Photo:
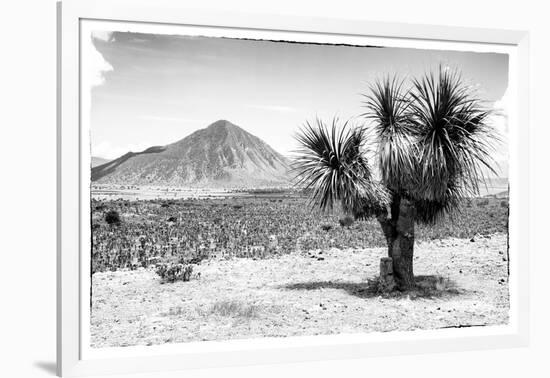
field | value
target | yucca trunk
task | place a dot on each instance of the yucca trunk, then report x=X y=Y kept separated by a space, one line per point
x=399 y=232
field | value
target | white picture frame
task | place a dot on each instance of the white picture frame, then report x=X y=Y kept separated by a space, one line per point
x=72 y=181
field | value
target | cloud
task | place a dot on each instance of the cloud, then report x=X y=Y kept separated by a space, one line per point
x=502 y=106
x=109 y=151
x=97 y=65
x=94 y=68
x=499 y=120
x=102 y=35
x=501 y=109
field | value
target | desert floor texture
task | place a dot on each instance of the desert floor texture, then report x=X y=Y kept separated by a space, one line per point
x=462 y=282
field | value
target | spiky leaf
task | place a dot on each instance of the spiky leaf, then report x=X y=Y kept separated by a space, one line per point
x=388 y=110
x=454 y=142
x=331 y=162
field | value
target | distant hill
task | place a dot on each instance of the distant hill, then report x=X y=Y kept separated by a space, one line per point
x=222 y=155
x=494 y=187
x=98 y=161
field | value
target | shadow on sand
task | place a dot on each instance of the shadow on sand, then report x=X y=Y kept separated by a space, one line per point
x=426 y=287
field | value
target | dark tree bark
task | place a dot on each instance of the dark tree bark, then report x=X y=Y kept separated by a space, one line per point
x=398 y=228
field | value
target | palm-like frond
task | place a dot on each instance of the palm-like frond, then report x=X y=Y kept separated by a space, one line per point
x=430 y=211
x=454 y=140
x=433 y=144
x=331 y=163
x=388 y=107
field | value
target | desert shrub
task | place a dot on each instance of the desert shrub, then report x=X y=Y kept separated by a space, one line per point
x=326 y=227
x=504 y=204
x=172 y=219
x=171 y=272
x=232 y=308
x=483 y=202
x=112 y=217
x=237 y=207
x=165 y=204
x=346 y=221
x=148 y=237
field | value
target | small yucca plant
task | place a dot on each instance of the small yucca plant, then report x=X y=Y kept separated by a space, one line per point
x=112 y=217
x=172 y=272
x=346 y=221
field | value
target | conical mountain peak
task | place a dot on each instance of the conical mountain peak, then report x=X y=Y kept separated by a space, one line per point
x=222 y=123
x=220 y=155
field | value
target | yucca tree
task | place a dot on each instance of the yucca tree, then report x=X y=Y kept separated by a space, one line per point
x=430 y=144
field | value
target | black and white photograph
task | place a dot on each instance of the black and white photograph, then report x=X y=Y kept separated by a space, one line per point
x=248 y=188
x=275 y=189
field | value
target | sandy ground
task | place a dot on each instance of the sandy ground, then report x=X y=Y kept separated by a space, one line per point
x=463 y=283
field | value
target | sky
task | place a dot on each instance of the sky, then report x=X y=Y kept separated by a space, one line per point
x=154 y=89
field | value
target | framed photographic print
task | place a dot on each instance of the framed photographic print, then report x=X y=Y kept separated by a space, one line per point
x=240 y=189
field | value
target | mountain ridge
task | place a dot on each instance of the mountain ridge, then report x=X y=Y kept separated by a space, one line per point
x=97 y=161
x=222 y=155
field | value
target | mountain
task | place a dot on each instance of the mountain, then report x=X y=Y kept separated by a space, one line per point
x=98 y=161
x=222 y=155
